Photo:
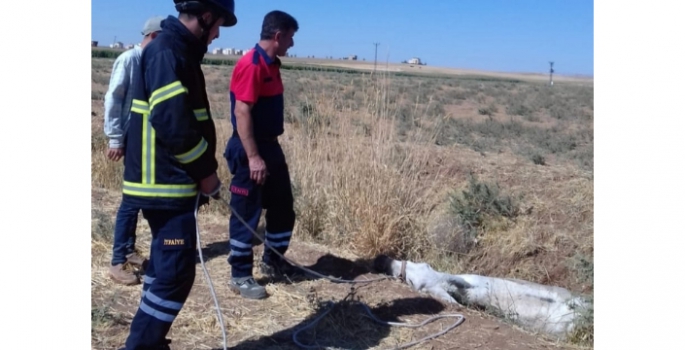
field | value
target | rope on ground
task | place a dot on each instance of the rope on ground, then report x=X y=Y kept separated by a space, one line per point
x=332 y=279
x=460 y=318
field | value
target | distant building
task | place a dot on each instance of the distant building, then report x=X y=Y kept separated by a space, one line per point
x=129 y=46
x=117 y=45
x=414 y=60
x=216 y=51
x=94 y=43
x=352 y=57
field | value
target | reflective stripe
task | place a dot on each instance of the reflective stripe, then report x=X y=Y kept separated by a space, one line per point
x=146 y=151
x=156 y=190
x=139 y=106
x=194 y=153
x=162 y=316
x=148 y=160
x=240 y=244
x=162 y=302
x=166 y=92
x=153 y=147
x=201 y=114
x=277 y=244
x=279 y=235
x=237 y=253
x=147 y=279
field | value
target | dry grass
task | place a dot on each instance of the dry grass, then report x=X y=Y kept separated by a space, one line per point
x=374 y=165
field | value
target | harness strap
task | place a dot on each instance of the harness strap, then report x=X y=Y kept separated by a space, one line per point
x=403 y=271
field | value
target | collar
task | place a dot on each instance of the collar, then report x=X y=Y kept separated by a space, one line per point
x=188 y=40
x=266 y=57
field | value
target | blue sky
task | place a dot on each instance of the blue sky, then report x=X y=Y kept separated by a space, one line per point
x=497 y=35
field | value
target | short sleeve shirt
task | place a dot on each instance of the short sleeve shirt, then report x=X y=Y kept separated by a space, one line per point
x=256 y=80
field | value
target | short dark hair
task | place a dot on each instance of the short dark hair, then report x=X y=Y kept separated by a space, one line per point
x=275 y=21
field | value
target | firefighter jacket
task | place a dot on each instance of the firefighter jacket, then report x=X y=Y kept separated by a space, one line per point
x=171 y=138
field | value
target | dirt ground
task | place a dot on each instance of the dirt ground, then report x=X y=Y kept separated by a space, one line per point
x=270 y=323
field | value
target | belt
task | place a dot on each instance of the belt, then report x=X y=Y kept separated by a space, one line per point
x=259 y=140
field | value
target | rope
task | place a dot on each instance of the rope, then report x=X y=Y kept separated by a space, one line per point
x=460 y=318
x=332 y=279
x=209 y=280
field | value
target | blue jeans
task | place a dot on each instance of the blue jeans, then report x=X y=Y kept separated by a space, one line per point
x=124 y=233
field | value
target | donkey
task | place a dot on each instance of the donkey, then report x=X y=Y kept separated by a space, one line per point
x=548 y=309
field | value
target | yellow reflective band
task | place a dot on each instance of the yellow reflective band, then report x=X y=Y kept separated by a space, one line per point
x=201 y=114
x=166 y=92
x=153 y=147
x=148 y=158
x=145 y=159
x=194 y=153
x=139 y=106
x=146 y=190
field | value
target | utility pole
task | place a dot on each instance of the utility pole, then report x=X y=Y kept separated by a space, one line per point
x=375 y=56
x=551 y=70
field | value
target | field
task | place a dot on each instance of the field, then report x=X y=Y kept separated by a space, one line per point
x=472 y=173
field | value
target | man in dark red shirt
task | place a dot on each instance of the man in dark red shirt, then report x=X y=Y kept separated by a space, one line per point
x=260 y=174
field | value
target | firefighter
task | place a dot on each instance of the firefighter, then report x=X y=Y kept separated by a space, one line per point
x=260 y=173
x=170 y=160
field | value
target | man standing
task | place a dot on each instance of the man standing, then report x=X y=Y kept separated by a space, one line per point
x=170 y=160
x=117 y=109
x=260 y=174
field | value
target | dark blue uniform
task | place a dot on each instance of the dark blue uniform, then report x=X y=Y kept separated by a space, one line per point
x=256 y=79
x=170 y=147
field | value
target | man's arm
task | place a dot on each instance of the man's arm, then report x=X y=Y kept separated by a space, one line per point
x=174 y=122
x=114 y=103
x=245 y=130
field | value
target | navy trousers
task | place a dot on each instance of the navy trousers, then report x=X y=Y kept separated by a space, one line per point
x=249 y=199
x=168 y=279
x=124 y=233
